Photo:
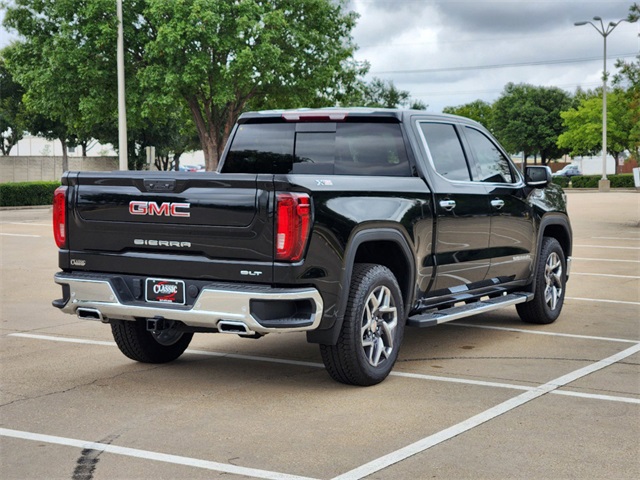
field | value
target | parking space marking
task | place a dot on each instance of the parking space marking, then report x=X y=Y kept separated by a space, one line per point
x=477 y=420
x=615 y=238
x=605 y=275
x=418 y=376
x=62 y=339
x=19 y=235
x=28 y=223
x=542 y=332
x=595 y=396
x=602 y=300
x=604 y=260
x=148 y=455
x=608 y=246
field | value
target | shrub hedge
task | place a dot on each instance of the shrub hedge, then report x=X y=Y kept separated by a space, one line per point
x=27 y=193
x=562 y=181
x=624 y=180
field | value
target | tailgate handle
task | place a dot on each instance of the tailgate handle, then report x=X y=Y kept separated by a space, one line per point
x=160 y=185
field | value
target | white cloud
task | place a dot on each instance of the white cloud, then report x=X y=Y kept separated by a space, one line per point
x=401 y=35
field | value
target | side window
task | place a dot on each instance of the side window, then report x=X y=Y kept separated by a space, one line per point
x=494 y=167
x=371 y=149
x=446 y=151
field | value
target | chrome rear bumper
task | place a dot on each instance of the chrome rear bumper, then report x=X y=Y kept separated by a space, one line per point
x=297 y=309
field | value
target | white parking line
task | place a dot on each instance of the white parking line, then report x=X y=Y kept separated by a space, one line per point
x=596 y=396
x=604 y=275
x=602 y=300
x=147 y=455
x=19 y=235
x=28 y=223
x=608 y=246
x=418 y=376
x=451 y=432
x=584 y=259
x=541 y=332
x=616 y=238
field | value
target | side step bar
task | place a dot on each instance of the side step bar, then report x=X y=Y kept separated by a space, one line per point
x=454 y=313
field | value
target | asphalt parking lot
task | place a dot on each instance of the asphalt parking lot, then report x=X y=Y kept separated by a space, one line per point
x=488 y=397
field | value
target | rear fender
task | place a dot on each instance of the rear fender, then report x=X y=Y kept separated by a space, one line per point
x=403 y=268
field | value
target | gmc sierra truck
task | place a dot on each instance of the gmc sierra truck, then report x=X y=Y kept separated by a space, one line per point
x=346 y=224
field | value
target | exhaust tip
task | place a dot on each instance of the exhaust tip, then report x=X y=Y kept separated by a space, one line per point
x=237 y=328
x=89 y=314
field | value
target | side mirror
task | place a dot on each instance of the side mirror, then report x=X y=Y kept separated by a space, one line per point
x=538 y=177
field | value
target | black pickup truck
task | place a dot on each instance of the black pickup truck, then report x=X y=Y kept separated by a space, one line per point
x=346 y=224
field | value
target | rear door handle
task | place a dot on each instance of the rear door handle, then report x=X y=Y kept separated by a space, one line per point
x=497 y=203
x=448 y=204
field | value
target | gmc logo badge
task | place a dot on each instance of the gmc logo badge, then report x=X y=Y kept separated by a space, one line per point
x=168 y=209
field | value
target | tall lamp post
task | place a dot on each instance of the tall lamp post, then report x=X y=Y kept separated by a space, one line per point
x=122 y=106
x=604 y=184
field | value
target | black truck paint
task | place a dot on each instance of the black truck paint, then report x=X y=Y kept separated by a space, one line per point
x=424 y=212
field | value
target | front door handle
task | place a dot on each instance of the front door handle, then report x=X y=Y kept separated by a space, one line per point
x=448 y=204
x=497 y=203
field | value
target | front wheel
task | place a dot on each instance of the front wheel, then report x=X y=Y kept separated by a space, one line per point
x=372 y=330
x=549 y=285
x=139 y=344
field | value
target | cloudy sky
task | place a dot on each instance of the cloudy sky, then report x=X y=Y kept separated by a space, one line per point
x=450 y=52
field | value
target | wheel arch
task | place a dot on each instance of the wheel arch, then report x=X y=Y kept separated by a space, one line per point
x=382 y=246
x=558 y=227
x=554 y=225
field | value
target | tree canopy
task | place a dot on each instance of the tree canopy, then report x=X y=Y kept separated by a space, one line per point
x=527 y=119
x=12 y=111
x=583 y=122
x=478 y=110
x=210 y=58
x=381 y=94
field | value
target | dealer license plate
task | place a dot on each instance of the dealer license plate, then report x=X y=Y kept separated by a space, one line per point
x=161 y=290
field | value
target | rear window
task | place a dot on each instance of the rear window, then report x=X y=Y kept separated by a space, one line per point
x=318 y=148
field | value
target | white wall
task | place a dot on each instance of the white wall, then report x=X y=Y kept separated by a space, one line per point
x=593 y=165
x=31 y=146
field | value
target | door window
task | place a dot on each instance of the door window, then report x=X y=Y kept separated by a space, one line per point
x=493 y=165
x=446 y=151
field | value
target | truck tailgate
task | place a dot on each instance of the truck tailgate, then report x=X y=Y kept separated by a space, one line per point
x=196 y=225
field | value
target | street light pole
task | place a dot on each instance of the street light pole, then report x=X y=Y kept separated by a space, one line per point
x=122 y=106
x=604 y=184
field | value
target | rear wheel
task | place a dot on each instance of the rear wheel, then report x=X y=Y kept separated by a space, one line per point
x=372 y=330
x=157 y=346
x=549 y=285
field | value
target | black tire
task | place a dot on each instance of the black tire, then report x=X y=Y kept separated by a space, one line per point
x=370 y=339
x=139 y=344
x=549 y=285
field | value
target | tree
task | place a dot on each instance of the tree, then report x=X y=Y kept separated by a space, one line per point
x=53 y=62
x=527 y=119
x=583 y=135
x=479 y=110
x=380 y=94
x=66 y=63
x=213 y=57
x=219 y=56
x=12 y=114
x=627 y=83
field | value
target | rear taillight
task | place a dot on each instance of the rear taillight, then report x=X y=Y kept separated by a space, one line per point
x=293 y=219
x=60 y=216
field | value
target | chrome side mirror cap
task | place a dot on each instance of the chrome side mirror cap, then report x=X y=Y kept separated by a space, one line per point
x=538 y=177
